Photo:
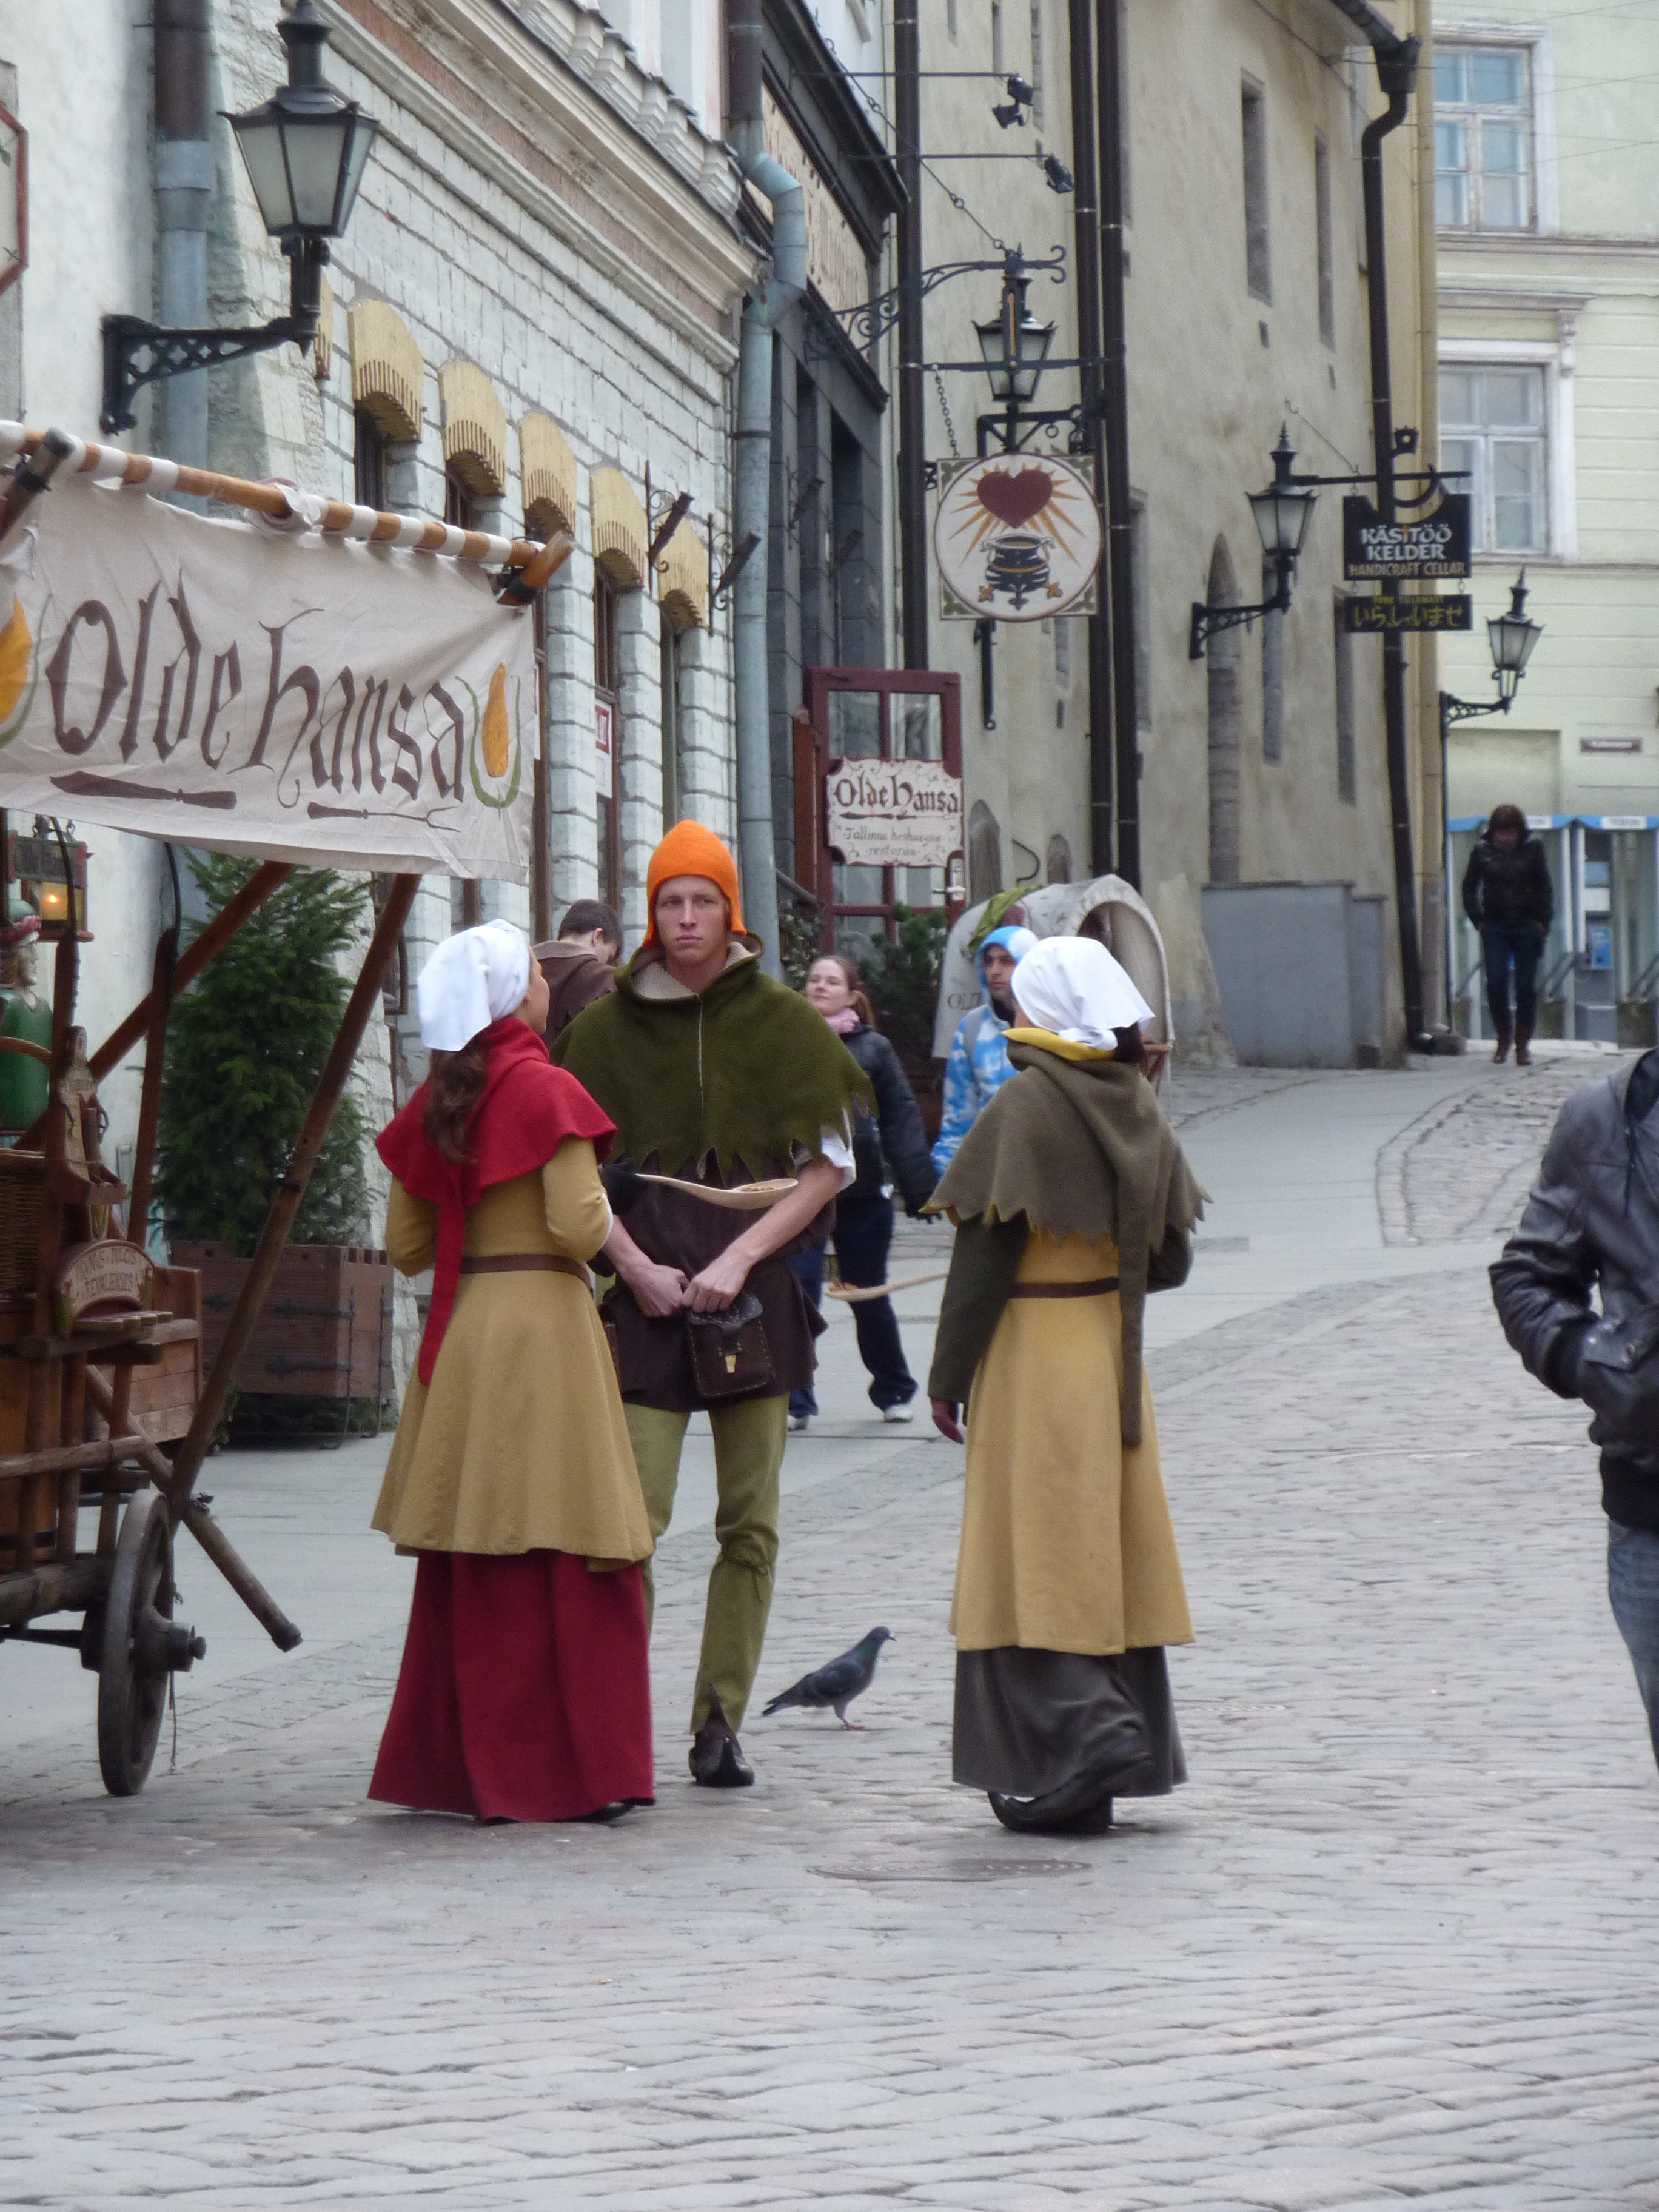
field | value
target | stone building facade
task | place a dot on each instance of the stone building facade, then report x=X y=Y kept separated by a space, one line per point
x=1245 y=308
x=1547 y=187
x=529 y=325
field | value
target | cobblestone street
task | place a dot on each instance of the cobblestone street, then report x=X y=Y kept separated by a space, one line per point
x=1396 y=1940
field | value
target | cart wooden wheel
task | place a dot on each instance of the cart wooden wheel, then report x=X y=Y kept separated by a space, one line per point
x=141 y=1646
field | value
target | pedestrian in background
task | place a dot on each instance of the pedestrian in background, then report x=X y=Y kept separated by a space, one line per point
x=1072 y=1200
x=1509 y=897
x=977 y=1066
x=580 y=964
x=890 y=1150
x=525 y=1689
x=1592 y=1223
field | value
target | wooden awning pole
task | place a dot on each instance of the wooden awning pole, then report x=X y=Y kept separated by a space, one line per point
x=215 y=1390
x=192 y=960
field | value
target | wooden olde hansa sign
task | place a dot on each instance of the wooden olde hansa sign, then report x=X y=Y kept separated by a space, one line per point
x=1018 y=539
x=101 y=1280
x=1416 y=546
x=231 y=685
x=893 y=813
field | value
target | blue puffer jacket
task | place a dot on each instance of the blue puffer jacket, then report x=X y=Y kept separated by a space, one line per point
x=978 y=1064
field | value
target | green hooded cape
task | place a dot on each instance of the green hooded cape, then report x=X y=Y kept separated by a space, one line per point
x=1078 y=1148
x=742 y=1071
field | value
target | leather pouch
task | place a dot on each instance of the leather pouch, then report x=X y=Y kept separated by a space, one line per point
x=730 y=1355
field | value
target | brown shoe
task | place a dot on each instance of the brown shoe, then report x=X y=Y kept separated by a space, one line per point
x=1504 y=1039
x=716 y=1757
x=1523 y=1047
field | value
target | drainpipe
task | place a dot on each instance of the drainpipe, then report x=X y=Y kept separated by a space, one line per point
x=912 y=398
x=1396 y=72
x=1085 y=214
x=1436 y=986
x=184 y=193
x=1120 y=521
x=1396 y=69
x=751 y=501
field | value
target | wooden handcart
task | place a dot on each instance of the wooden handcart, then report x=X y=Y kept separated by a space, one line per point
x=83 y=1312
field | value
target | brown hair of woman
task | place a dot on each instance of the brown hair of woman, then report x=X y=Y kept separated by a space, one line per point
x=456 y=1079
x=853 y=982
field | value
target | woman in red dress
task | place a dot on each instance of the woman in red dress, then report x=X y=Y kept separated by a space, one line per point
x=525 y=1690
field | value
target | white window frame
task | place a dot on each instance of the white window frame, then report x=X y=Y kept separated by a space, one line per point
x=1561 y=519
x=1546 y=184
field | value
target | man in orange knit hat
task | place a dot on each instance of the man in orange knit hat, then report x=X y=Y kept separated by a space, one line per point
x=716 y=1076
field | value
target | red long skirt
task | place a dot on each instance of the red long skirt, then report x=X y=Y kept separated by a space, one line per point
x=525 y=1692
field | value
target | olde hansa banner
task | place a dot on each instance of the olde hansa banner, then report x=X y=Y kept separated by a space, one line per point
x=246 y=688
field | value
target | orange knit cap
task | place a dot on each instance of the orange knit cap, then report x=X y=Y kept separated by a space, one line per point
x=688 y=849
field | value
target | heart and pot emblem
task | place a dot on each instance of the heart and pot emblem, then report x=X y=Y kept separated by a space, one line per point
x=1015 y=498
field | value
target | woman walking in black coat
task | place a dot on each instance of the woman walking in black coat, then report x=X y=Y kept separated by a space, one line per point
x=1509 y=896
x=888 y=1152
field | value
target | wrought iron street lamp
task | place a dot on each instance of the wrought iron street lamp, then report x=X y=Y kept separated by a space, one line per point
x=1014 y=345
x=305 y=150
x=1511 y=637
x=1282 y=513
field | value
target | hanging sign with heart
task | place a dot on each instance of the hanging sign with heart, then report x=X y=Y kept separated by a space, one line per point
x=1018 y=539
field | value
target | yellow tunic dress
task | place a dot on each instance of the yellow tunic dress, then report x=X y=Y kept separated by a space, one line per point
x=519 y=1443
x=1066 y=1544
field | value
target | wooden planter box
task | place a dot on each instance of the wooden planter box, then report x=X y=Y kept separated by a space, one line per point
x=325 y=1327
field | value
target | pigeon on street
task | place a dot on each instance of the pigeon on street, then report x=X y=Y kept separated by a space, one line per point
x=841 y=1681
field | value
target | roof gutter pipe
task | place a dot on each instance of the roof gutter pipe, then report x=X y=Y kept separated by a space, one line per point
x=1396 y=71
x=751 y=497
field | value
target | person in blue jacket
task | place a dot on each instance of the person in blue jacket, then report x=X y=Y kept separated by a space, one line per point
x=978 y=1065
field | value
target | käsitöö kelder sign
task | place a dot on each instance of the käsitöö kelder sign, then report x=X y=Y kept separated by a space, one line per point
x=1411 y=546
x=893 y=813
x=228 y=685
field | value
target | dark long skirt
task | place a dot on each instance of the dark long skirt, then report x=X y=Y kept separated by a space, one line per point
x=1029 y=1723
x=525 y=1692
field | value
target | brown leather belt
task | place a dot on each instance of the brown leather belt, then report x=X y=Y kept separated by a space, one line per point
x=1097 y=1288
x=525 y=1263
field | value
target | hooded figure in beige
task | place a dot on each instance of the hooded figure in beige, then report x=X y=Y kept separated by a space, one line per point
x=1072 y=1200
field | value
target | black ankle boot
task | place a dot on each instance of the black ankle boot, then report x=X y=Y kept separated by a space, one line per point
x=716 y=1757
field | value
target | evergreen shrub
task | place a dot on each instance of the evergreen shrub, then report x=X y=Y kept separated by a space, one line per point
x=246 y=1046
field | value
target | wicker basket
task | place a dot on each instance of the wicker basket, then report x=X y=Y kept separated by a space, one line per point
x=23 y=1181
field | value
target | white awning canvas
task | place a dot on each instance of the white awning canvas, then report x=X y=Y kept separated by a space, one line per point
x=249 y=689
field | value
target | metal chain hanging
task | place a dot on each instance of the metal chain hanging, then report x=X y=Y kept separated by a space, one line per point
x=944 y=410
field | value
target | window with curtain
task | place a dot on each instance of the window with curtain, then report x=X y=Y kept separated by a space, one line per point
x=1346 y=788
x=1257 y=268
x=367 y=461
x=672 y=773
x=1491 y=424
x=459 y=509
x=607 y=736
x=1483 y=138
x=1326 y=259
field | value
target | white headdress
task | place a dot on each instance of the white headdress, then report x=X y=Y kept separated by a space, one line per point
x=1073 y=986
x=474 y=978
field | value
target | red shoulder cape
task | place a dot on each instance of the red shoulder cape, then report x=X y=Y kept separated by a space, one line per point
x=525 y=1112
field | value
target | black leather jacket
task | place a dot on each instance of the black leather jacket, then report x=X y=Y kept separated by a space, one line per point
x=1509 y=887
x=1592 y=1222
x=896 y=1132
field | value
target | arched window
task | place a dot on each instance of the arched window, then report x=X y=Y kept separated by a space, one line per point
x=984 y=853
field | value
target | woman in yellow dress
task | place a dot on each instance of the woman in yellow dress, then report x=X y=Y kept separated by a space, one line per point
x=525 y=1689
x=1072 y=1200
